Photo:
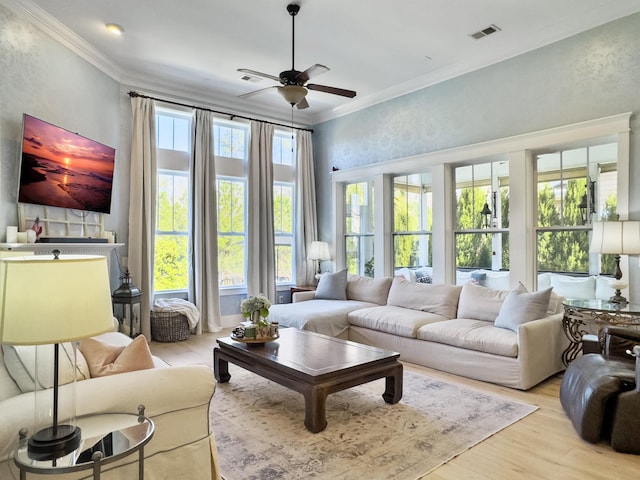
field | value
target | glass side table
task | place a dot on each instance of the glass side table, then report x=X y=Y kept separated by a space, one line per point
x=105 y=439
x=587 y=317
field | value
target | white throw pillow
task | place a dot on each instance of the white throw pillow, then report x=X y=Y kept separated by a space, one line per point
x=480 y=303
x=20 y=362
x=573 y=287
x=439 y=299
x=332 y=286
x=521 y=307
x=367 y=289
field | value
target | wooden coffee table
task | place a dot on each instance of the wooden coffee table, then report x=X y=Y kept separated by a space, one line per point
x=314 y=365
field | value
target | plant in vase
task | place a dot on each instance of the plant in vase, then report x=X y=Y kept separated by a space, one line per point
x=256 y=309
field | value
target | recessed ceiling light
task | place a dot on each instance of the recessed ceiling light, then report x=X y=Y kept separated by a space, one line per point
x=115 y=28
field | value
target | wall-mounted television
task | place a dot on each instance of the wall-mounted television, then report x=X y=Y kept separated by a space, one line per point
x=63 y=169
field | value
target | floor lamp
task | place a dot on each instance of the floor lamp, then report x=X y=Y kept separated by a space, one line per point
x=616 y=238
x=50 y=300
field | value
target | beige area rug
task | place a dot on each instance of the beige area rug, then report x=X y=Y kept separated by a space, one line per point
x=259 y=431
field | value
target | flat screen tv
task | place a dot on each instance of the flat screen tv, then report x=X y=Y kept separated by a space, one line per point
x=63 y=169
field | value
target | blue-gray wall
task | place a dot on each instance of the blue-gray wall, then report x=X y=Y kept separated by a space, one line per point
x=591 y=75
x=41 y=77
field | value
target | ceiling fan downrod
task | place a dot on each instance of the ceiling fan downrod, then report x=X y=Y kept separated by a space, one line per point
x=293 y=9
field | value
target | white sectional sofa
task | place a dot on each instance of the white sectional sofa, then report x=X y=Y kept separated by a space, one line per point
x=177 y=399
x=497 y=336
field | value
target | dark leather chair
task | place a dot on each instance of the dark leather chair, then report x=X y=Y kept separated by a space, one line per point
x=593 y=383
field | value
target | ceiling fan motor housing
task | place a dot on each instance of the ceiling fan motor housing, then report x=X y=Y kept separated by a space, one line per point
x=290 y=77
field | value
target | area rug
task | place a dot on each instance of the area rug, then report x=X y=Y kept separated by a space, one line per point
x=259 y=431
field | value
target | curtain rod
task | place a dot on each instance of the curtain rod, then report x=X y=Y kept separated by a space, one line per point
x=232 y=115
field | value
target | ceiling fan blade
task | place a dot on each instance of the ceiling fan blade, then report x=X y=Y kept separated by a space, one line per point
x=259 y=74
x=335 y=91
x=302 y=104
x=312 y=71
x=255 y=92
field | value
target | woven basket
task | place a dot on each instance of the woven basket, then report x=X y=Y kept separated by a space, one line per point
x=169 y=327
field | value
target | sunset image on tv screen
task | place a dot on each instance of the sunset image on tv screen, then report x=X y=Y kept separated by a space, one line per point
x=63 y=169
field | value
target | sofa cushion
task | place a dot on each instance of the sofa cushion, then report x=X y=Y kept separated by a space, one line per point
x=332 y=286
x=399 y=321
x=366 y=289
x=476 y=335
x=439 y=299
x=521 y=307
x=105 y=359
x=20 y=362
x=480 y=303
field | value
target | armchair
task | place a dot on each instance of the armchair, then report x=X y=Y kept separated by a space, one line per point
x=593 y=383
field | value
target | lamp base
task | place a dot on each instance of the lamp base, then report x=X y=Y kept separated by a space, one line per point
x=47 y=445
x=618 y=298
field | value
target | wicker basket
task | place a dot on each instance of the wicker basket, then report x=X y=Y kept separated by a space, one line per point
x=169 y=326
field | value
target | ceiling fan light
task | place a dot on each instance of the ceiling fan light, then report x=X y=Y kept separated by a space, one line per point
x=292 y=93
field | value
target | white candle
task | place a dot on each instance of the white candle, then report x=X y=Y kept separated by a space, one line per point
x=12 y=234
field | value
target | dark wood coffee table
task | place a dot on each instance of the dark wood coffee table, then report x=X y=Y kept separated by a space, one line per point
x=314 y=365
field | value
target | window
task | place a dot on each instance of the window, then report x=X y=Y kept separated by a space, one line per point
x=482 y=216
x=284 y=148
x=172 y=202
x=359 y=228
x=231 y=147
x=575 y=186
x=283 y=228
x=232 y=231
x=412 y=221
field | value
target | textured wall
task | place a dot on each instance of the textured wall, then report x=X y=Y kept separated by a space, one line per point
x=41 y=77
x=587 y=76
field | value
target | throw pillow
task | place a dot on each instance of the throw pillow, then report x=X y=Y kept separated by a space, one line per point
x=332 y=286
x=480 y=303
x=521 y=307
x=105 y=359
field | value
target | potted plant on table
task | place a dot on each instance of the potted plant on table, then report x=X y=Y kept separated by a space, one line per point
x=256 y=308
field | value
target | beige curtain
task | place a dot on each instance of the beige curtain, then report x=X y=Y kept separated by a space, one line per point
x=142 y=204
x=261 y=274
x=203 y=245
x=305 y=215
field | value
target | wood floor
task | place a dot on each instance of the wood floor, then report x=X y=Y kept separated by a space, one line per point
x=543 y=445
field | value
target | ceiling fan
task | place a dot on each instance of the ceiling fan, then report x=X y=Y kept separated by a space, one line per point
x=294 y=86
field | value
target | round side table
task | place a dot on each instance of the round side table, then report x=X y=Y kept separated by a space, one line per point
x=105 y=439
x=585 y=317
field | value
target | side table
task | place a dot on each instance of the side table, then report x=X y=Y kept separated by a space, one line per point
x=105 y=439
x=587 y=317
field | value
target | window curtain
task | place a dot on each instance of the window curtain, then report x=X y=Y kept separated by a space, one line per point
x=306 y=217
x=261 y=274
x=203 y=244
x=142 y=204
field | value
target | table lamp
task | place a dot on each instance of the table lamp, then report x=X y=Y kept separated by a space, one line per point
x=50 y=300
x=319 y=251
x=616 y=238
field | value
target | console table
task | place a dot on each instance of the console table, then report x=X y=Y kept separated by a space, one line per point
x=587 y=317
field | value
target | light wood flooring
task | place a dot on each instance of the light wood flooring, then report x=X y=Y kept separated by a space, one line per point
x=543 y=445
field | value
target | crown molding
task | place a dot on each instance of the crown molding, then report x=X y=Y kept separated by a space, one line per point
x=63 y=35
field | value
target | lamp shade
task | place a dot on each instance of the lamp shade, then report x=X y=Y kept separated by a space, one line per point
x=319 y=251
x=45 y=300
x=618 y=238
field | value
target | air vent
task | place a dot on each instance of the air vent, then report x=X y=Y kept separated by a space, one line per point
x=485 y=32
x=249 y=78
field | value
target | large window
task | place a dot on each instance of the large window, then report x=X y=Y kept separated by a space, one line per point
x=482 y=216
x=283 y=228
x=231 y=147
x=412 y=222
x=172 y=236
x=359 y=228
x=575 y=187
